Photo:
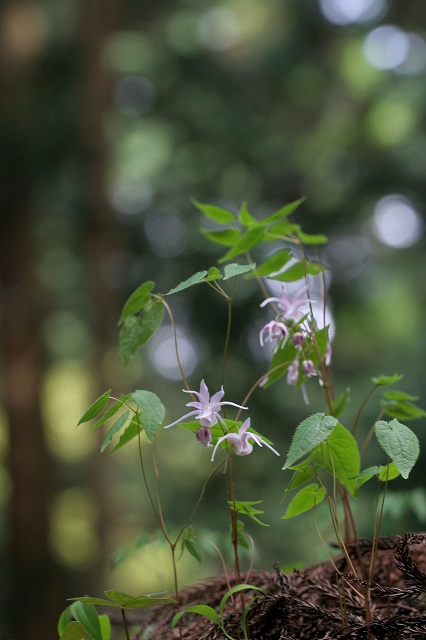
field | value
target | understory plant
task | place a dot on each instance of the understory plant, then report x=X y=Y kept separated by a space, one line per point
x=325 y=456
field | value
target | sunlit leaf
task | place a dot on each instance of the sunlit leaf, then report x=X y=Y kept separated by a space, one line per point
x=245 y=217
x=305 y=499
x=399 y=443
x=273 y=264
x=213 y=274
x=105 y=624
x=283 y=212
x=86 y=615
x=384 y=381
x=232 y=270
x=64 y=619
x=249 y=240
x=136 y=301
x=218 y=214
x=310 y=239
x=96 y=408
x=308 y=435
x=300 y=270
x=225 y=237
x=74 y=631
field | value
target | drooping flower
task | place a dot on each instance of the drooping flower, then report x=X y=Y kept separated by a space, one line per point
x=275 y=331
x=240 y=441
x=290 y=307
x=204 y=436
x=308 y=368
x=298 y=338
x=206 y=408
x=293 y=372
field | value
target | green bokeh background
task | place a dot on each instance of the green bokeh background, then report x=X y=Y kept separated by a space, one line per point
x=113 y=115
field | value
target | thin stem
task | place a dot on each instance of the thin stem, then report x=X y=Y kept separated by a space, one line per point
x=222 y=559
x=227 y=339
x=125 y=625
x=361 y=408
x=259 y=382
x=175 y=339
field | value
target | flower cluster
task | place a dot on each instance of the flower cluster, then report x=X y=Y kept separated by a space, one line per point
x=207 y=411
x=289 y=323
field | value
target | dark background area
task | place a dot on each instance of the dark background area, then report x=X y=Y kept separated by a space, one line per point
x=113 y=115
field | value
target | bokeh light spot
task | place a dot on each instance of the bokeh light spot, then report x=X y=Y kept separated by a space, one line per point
x=344 y=12
x=166 y=234
x=134 y=95
x=219 y=29
x=161 y=351
x=386 y=47
x=396 y=222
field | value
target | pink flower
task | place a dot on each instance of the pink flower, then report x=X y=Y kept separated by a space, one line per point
x=207 y=408
x=289 y=307
x=240 y=441
x=308 y=368
x=275 y=330
x=204 y=436
x=293 y=372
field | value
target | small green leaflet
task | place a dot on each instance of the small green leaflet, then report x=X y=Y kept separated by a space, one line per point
x=74 y=631
x=249 y=240
x=302 y=473
x=299 y=270
x=283 y=212
x=137 y=300
x=224 y=237
x=384 y=381
x=116 y=427
x=86 y=615
x=382 y=473
x=218 y=214
x=248 y=509
x=305 y=499
x=111 y=411
x=399 y=443
x=308 y=435
x=96 y=408
x=198 y=277
x=273 y=264
x=234 y=269
x=190 y=545
x=307 y=238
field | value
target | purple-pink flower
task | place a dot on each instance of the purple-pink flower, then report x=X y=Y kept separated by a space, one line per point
x=203 y=435
x=290 y=307
x=274 y=330
x=206 y=408
x=240 y=441
x=293 y=372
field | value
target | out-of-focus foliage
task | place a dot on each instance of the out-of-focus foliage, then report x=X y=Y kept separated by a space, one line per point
x=263 y=101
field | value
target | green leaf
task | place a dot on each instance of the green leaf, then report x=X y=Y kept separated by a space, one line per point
x=86 y=615
x=246 y=219
x=384 y=381
x=339 y=405
x=202 y=610
x=64 y=620
x=152 y=409
x=339 y=455
x=311 y=239
x=137 y=330
x=382 y=473
x=218 y=214
x=247 y=508
x=302 y=475
x=74 y=631
x=111 y=411
x=191 y=546
x=213 y=274
x=225 y=237
x=401 y=409
x=105 y=623
x=273 y=264
x=283 y=212
x=399 y=443
x=308 y=435
x=305 y=499
x=321 y=339
x=130 y=432
x=189 y=282
x=249 y=240
x=234 y=269
x=388 y=472
x=281 y=231
x=125 y=601
x=136 y=301
x=116 y=427
x=399 y=395
x=242 y=537
x=299 y=270
x=96 y=408
x=236 y=589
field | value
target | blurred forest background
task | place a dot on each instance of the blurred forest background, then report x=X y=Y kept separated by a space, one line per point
x=113 y=115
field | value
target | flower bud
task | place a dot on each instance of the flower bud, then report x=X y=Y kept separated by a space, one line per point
x=308 y=368
x=204 y=436
x=298 y=338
